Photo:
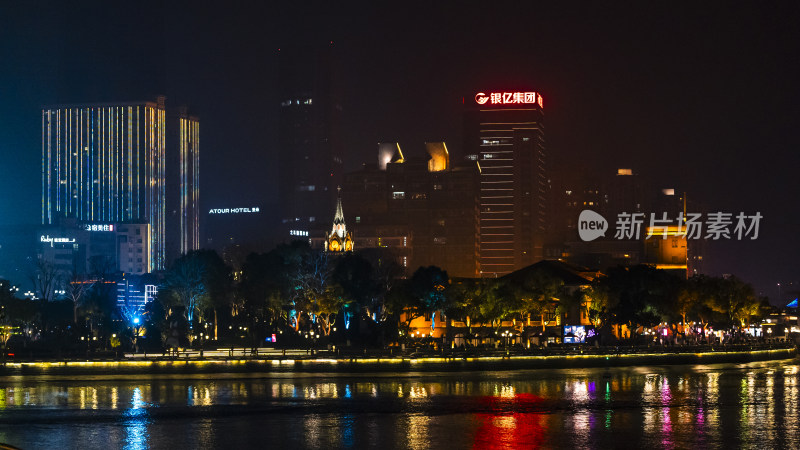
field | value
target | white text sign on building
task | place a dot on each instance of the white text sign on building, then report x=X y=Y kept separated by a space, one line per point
x=234 y=210
x=56 y=240
x=97 y=227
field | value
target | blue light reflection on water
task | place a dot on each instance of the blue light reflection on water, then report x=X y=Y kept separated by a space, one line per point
x=699 y=406
x=136 y=421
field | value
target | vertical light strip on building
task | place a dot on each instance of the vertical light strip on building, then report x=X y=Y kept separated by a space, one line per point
x=189 y=143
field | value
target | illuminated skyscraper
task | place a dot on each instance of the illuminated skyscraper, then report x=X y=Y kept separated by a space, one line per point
x=503 y=131
x=106 y=163
x=183 y=183
x=189 y=129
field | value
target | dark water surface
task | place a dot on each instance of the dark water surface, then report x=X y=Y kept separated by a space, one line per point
x=725 y=405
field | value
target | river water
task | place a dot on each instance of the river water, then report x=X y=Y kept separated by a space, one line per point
x=724 y=405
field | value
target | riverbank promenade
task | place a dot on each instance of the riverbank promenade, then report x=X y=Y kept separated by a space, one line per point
x=349 y=360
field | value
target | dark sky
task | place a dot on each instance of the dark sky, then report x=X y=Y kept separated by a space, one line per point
x=700 y=98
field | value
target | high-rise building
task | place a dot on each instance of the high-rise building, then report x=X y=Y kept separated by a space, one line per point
x=310 y=160
x=106 y=163
x=183 y=183
x=504 y=133
x=115 y=163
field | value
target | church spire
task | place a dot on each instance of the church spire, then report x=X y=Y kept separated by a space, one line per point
x=339 y=240
x=339 y=227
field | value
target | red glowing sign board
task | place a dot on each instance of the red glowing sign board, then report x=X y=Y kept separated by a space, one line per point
x=509 y=98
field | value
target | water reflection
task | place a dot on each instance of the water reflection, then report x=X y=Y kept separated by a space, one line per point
x=700 y=406
x=135 y=423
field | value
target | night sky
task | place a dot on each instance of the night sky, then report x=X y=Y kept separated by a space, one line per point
x=703 y=100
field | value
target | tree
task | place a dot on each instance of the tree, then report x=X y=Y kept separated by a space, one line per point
x=45 y=277
x=354 y=276
x=386 y=273
x=185 y=281
x=313 y=289
x=218 y=282
x=76 y=288
x=638 y=295
x=263 y=287
x=428 y=286
x=539 y=295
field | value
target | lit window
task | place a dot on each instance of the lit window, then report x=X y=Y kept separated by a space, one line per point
x=398 y=195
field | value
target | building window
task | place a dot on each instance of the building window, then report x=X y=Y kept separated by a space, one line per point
x=138 y=231
x=398 y=195
x=358 y=219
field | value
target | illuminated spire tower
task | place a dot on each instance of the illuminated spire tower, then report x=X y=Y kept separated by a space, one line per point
x=339 y=239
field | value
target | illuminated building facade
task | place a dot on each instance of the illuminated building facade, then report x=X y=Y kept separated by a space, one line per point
x=310 y=164
x=189 y=129
x=105 y=163
x=422 y=208
x=183 y=184
x=75 y=248
x=504 y=133
x=339 y=239
x=130 y=164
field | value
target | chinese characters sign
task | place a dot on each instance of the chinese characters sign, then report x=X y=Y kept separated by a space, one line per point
x=713 y=226
x=509 y=98
x=97 y=227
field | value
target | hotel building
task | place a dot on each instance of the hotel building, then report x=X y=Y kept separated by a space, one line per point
x=107 y=163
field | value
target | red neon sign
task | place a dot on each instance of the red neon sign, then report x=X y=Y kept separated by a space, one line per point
x=509 y=98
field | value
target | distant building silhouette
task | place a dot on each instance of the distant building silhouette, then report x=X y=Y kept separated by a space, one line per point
x=310 y=162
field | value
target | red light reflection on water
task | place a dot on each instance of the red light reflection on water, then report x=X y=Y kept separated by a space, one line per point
x=514 y=422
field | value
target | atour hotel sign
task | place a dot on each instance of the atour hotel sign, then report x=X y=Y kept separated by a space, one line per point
x=254 y=209
x=509 y=98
